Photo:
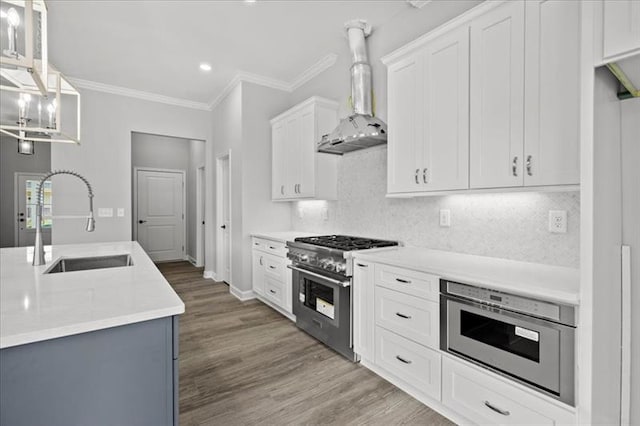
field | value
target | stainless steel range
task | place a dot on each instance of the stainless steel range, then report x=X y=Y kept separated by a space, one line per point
x=322 y=286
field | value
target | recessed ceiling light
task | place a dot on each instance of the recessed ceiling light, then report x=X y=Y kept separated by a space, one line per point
x=205 y=67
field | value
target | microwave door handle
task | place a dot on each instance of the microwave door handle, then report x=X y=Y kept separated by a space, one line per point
x=322 y=277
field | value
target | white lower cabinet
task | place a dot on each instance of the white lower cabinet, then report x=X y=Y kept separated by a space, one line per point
x=363 y=305
x=271 y=277
x=485 y=399
x=408 y=316
x=397 y=335
x=415 y=364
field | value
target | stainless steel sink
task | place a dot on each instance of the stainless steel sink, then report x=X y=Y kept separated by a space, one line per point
x=70 y=264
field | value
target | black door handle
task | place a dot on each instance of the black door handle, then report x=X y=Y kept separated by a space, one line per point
x=223 y=227
x=142 y=221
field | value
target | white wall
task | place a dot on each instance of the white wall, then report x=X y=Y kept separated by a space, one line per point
x=607 y=238
x=630 y=136
x=104 y=158
x=241 y=124
x=10 y=163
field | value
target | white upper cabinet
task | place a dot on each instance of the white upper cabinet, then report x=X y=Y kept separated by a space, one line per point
x=497 y=97
x=298 y=171
x=621 y=28
x=446 y=114
x=488 y=101
x=552 y=93
x=405 y=106
x=428 y=117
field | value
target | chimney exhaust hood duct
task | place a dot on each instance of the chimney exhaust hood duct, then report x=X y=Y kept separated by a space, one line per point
x=361 y=129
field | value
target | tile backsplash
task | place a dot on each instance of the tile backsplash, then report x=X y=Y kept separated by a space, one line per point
x=506 y=225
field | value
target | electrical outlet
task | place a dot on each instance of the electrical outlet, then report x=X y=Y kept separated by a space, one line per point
x=558 y=221
x=105 y=212
x=445 y=218
x=120 y=212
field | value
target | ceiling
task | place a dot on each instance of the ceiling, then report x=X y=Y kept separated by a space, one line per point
x=157 y=46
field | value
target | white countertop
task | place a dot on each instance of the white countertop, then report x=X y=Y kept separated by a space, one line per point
x=35 y=306
x=546 y=282
x=282 y=236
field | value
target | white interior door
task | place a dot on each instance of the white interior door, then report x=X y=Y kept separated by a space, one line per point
x=160 y=214
x=200 y=215
x=225 y=225
x=25 y=209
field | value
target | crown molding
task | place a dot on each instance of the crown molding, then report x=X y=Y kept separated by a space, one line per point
x=315 y=69
x=305 y=76
x=242 y=76
x=138 y=94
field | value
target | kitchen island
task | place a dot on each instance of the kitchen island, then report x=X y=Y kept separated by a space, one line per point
x=87 y=347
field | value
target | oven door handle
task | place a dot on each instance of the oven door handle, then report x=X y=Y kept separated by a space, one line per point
x=322 y=277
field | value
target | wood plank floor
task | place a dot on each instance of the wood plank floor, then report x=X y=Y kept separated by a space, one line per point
x=242 y=363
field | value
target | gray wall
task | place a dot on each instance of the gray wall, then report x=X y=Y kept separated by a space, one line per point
x=11 y=162
x=165 y=152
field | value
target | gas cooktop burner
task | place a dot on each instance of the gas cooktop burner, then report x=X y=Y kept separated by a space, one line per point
x=345 y=242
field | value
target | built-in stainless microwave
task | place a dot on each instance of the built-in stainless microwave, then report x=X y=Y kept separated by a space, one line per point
x=529 y=340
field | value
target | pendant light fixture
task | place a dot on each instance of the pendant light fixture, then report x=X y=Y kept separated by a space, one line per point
x=38 y=103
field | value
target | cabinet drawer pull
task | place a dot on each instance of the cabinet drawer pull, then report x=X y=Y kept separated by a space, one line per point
x=400 y=280
x=399 y=358
x=496 y=409
x=403 y=315
x=514 y=166
x=260 y=260
x=256 y=244
x=362 y=265
x=424 y=175
x=529 y=164
x=272 y=267
x=272 y=247
x=417 y=180
x=272 y=292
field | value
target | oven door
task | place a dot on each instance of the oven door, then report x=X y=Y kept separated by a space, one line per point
x=322 y=306
x=535 y=351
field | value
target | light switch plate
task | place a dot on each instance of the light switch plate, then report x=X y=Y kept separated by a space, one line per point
x=558 y=221
x=120 y=212
x=105 y=212
x=445 y=218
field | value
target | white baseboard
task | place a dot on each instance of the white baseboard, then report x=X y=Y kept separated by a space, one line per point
x=209 y=275
x=242 y=295
x=192 y=260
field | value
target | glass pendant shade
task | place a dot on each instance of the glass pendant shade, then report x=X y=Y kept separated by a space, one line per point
x=26 y=147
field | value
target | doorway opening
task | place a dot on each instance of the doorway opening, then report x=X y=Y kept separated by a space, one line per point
x=223 y=218
x=26 y=198
x=168 y=197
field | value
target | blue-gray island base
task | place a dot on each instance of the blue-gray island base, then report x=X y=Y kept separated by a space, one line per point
x=126 y=375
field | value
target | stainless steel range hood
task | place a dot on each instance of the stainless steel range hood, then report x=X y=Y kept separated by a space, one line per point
x=362 y=129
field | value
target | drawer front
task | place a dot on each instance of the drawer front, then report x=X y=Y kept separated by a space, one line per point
x=478 y=396
x=415 y=283
x=275 y=267
x=409 y=361
x=274 y=247
x=411 y=317
x=274 y=291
